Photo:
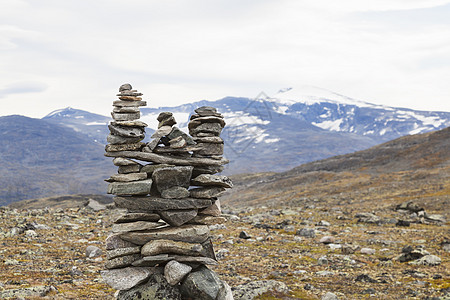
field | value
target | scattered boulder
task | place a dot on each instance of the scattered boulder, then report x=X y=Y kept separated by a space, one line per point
x=93 y=251
x=368 y=251
x=244 y=235
x=409 y=206
x=95 y=205
x=328 y=239
x=329 y=296
x=427 y=260
x=253 y=289
x=410 y=253
x=306 y=232
x=35 y=291
x=368 y=218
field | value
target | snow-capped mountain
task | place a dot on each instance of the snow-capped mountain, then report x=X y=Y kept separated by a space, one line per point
x=294 y=126
x=335 y=112
x=94 y=125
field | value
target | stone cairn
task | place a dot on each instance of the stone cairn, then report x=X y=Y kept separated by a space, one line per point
x=160 y=246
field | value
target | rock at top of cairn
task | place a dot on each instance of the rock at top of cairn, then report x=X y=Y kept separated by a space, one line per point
x=126 y=91
x=166 y=119
x=125 y=87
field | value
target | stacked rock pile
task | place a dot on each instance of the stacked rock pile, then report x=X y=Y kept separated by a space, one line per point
x=161 y=245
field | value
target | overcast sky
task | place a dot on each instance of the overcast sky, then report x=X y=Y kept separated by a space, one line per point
x=55 y=54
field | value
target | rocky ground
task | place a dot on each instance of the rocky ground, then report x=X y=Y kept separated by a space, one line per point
x=318 y=250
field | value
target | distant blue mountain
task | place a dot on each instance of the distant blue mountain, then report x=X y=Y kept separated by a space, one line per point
x=295 y=126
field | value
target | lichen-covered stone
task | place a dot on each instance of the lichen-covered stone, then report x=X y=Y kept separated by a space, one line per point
x=157 y=288
x=174 y=272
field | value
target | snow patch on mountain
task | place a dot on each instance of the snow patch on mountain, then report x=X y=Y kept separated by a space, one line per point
x=330 y=125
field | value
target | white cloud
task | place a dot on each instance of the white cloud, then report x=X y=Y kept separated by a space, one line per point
x=179 y=51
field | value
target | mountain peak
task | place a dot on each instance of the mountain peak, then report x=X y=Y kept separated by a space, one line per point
x=310 y=94
x=63 y=112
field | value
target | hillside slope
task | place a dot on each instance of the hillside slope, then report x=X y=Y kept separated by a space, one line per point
x=40 y=159
x=409 y=168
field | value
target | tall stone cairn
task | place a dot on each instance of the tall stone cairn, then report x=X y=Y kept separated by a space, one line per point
x=159 y=248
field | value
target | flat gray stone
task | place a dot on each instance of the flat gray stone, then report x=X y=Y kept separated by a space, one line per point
x=149 y=169
x=207 y=192
x=206 y=111
x=142 y=187
x=156 y=288
x=135 y=123
x=135 y=226
x=127 y=131
x=169 y=150
x=125 y=109
x=113 y=241
x=157 y=247
x=176 y=192
x=145 y=204
x=202 y=162
x=202 y=284
x=195 y=260
x=208 y=119
x=174 y=272
x=122 y=261
x=212 y=180
x=211 y=139
x=165 y=178
x=185 y=233
x=110 y=254
x=119 y=140
x=120 y=161
x=151 y=261
x=211 y=128
x=207 y=149
x=178 y=217
x=129 y=169
x=127 y=177
x=120 y=103
x=126 y=116
x=130 y=97
x=126 y=278
x=132 y=217
x=110 y=148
